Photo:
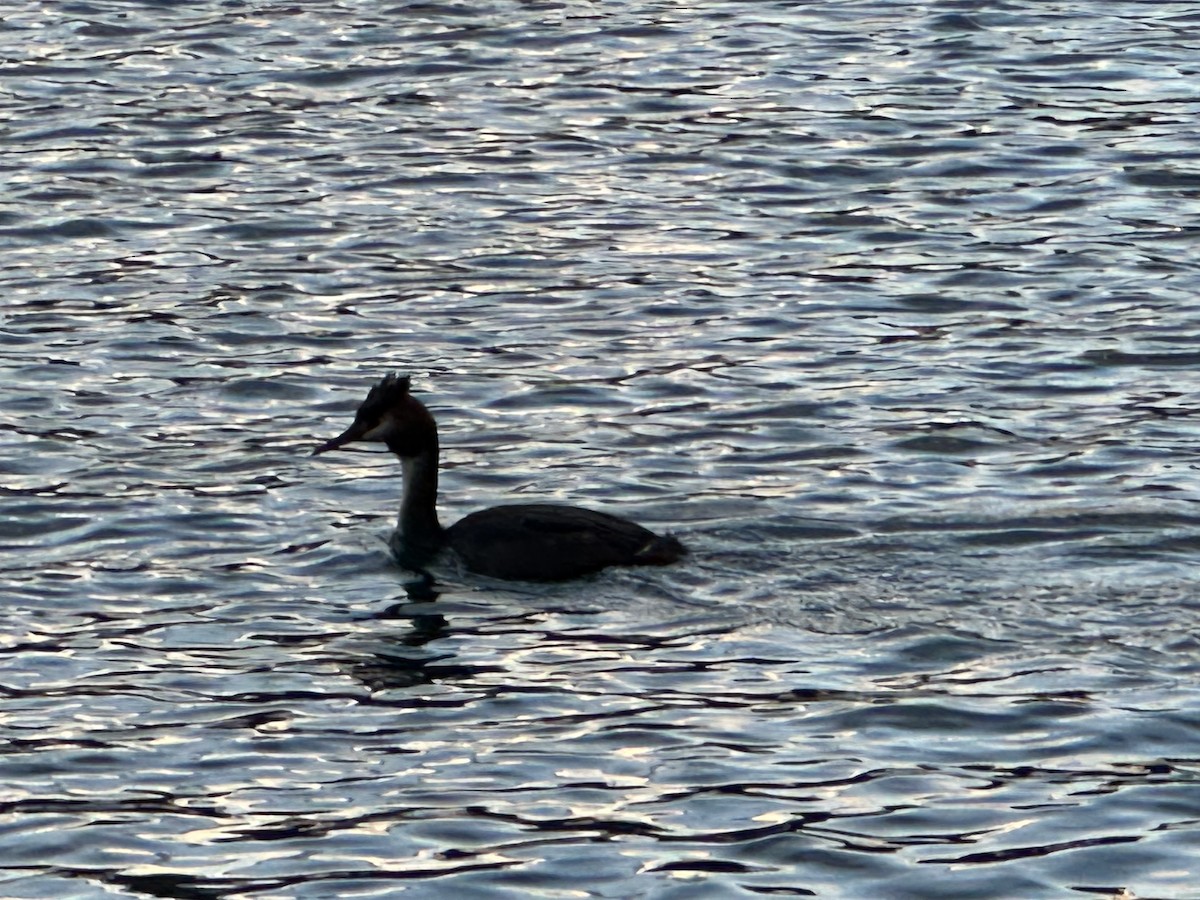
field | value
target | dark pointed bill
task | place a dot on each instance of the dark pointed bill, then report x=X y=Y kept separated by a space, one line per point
x=350 y=434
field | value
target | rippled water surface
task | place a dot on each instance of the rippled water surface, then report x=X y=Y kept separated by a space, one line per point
x=889 y=310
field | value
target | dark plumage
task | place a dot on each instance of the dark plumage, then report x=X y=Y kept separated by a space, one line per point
x=534 y=541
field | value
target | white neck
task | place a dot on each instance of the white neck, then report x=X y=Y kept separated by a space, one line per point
x=418 y=524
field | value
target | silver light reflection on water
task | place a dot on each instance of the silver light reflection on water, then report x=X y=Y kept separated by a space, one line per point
x=888 y=310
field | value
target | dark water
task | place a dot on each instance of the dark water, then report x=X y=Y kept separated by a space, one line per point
x=888 y=310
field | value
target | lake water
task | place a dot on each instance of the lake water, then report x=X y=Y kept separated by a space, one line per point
x=887 y=310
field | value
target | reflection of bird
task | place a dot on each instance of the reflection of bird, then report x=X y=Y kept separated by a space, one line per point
x=535 y=541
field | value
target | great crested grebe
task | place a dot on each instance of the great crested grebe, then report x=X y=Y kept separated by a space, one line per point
x=527 y=541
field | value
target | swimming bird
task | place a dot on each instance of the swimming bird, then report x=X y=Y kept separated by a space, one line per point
x=527 y=541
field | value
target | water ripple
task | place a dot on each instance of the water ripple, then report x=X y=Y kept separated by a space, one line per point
x=886 y=310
